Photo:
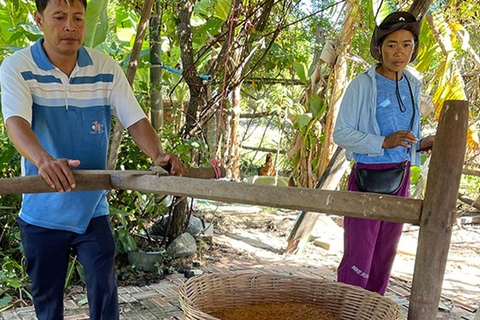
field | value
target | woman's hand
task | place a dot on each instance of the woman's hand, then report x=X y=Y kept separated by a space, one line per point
x=400 y=138
x=426 y=144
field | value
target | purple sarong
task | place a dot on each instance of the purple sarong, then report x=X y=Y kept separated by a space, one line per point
x=370 y=246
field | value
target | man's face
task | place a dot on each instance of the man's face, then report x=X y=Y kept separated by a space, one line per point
x=397 y=50
x=63 y=26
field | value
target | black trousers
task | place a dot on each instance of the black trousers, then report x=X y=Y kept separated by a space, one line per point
x=47 y=252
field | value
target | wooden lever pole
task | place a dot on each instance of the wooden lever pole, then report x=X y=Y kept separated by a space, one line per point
x=90 y=180
x=355 y=204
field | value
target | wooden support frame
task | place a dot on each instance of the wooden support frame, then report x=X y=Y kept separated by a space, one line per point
x=355 y=204
x=375 y=206
x=435 y=215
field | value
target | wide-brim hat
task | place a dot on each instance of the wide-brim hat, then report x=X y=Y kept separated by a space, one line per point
x=393 y=22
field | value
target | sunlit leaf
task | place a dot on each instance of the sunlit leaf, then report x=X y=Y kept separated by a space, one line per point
x=316 y=104
x=13 y=283
x=300 y=71
x=302 y=120
x=96 y=22
x=415 y=174
x=221 y=9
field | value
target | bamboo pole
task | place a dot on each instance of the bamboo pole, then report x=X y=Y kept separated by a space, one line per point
x=439 y=210
x=156 y=113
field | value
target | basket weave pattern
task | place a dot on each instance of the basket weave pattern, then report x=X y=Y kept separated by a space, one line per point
x=199 y=296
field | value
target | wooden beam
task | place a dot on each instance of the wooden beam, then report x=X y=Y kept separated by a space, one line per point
x=439 y=210
x=471 y=172
x=91 y=180
x=85 y=180
x=462 y=197
x=354 y=204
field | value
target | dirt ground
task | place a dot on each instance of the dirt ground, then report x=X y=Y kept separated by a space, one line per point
x=258 y=235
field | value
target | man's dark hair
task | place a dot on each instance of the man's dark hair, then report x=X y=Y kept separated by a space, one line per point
x=42 y=4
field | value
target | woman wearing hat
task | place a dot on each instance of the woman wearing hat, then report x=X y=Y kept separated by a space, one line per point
x=379 y=126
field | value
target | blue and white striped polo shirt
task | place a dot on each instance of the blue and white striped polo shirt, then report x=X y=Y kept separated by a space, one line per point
x=71 y=118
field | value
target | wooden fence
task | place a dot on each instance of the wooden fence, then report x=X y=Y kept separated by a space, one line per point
x=435 y=215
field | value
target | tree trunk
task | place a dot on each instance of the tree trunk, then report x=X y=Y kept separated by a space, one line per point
x=319 y=40
x=132 y=69
x=340 y=79
x=212 y=127
x=156 y=67
x=420 y=8
x=233 y=168
x=179 y=219
x=190 y=73
x=240 y=58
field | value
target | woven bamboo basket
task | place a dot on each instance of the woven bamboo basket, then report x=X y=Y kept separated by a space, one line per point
x=200 y=296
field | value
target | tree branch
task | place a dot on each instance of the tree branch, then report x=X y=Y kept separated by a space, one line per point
x=132 y=69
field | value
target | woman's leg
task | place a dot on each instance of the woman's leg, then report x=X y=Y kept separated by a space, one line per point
x=360 y=236
x=384 y=255
x=386 y=246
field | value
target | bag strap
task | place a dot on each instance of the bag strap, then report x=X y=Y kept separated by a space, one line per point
x=413 y=113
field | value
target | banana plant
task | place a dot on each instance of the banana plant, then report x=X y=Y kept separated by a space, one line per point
x=96 y=22
x=441 y=49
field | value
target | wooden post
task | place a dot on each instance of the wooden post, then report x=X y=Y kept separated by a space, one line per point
x=439 y=210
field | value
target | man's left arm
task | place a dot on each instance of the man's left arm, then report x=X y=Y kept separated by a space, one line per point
x=147 y=140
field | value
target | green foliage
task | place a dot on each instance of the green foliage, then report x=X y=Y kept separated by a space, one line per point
x=13 y=282
x=16 y=30
x=13 y=279
x=300 y=70
x=470 y=185
x=74 y=265
x=96 y=22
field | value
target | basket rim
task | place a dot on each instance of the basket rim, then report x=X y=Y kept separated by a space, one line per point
x=189 y=306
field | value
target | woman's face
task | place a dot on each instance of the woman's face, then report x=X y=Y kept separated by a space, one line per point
x=396 y=50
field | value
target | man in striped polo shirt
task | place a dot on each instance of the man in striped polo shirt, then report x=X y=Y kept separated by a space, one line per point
x=57 y=99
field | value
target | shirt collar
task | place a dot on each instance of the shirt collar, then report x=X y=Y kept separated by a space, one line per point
x=42 y=61
x=411 y=73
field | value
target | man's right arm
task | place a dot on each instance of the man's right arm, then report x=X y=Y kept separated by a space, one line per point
x=55 y=172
